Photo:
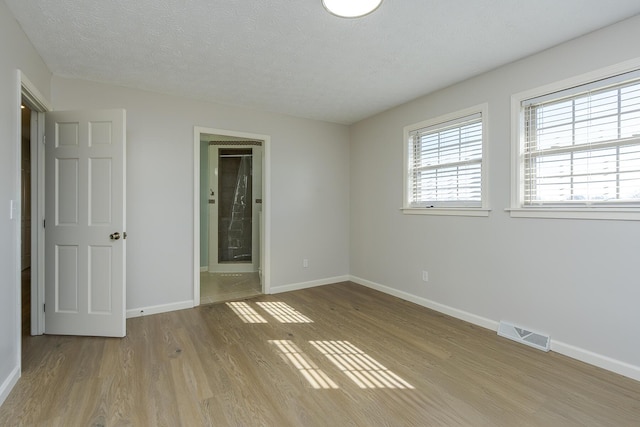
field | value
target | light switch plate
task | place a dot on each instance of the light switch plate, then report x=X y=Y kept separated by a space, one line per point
x=12 y=209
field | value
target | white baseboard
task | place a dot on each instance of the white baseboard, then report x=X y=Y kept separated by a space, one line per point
x=203 y=269
x=305 y=285
x=453 y=312
x=568 y=350
x=9 y=383
x=596 y=359
x=156 y=309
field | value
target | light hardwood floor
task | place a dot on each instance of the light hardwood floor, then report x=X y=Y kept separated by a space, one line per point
x=207 y=367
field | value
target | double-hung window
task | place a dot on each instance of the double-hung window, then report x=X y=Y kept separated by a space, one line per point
x=445 y=164
x=579 y=150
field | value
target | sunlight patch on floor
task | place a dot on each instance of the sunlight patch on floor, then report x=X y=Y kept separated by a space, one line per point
x=246 y=313
x=315 y=376
x=283 y=312
x=361 y=368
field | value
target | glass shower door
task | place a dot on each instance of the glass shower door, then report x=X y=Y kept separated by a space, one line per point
x=235 y=211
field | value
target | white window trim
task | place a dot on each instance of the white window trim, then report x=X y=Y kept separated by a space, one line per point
x=483 y=209
x=517 y=209
x=447 y=211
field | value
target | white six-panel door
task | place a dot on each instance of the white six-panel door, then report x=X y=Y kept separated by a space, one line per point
x=85 y=244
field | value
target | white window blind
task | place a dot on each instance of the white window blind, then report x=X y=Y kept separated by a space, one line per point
x=582 y=146
x=445 y=164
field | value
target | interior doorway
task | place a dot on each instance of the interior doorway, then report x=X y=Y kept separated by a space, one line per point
x=33 y=106
x=25 y=216
x=233 y=206
x=31 y=214
x=234 y=223
x=232 y=226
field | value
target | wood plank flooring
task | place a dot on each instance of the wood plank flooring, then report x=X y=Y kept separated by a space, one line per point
x=207 y=367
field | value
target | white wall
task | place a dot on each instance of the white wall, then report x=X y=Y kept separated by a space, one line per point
x=577 y=280
x=16 y=52
x=309 y=198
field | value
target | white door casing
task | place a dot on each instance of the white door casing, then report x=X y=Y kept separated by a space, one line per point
x=85 y=268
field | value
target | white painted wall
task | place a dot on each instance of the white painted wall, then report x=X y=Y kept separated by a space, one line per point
x=309 y=198
x=577 y=280
x=16 y=52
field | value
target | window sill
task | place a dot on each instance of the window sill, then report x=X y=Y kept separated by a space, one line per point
x=618 y=214
x=447 y=211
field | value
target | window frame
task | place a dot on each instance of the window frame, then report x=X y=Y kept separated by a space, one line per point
x=561 y=211
x=483 y=208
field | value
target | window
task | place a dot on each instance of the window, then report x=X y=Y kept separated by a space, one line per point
x=444 y=164
x=579 y=148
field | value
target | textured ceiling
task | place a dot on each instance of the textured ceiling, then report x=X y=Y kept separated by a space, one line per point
x=291 y=56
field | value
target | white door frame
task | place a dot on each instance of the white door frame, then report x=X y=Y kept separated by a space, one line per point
x=265 y=240
x=39 y=105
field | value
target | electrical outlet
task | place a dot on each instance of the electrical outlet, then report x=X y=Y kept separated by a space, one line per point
x=425 y=276
x=305 y=263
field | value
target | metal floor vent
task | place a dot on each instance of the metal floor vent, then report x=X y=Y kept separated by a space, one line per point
x=521 y=335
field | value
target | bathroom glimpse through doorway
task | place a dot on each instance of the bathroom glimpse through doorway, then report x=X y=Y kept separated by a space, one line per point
x=234 y=206
x=231 y=234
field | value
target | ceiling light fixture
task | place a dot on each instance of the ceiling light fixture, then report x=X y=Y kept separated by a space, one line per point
x=351 y=8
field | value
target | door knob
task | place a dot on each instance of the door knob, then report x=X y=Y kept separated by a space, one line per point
x=115 y=236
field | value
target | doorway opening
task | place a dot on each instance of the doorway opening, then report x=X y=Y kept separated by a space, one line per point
x=25 y=216
x=235 y=207
x=32 y=106
x=232 y=228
